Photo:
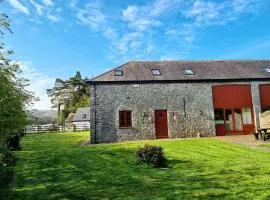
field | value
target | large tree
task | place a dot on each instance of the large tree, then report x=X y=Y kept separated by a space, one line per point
x=14 y=97
x=68 y=95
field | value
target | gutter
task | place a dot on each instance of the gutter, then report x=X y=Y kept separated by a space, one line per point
x=92 y=82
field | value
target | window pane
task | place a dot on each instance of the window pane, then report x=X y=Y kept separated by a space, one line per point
x=188 y=72
x=156 y=72
x=118 y=72
x=247 y=116
x=219 y=118
x=125 y=118
x=238 y=119
x=229 y=120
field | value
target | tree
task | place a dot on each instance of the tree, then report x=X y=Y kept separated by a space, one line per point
x=14 y=97
x=59 y=94
x=4 y=24
x=68 y=95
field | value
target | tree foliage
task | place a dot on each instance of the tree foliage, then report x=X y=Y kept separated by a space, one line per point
x=13 y=94
x=68 y=95
x=4 y=24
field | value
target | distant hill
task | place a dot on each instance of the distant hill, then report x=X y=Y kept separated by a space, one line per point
x=42 y=116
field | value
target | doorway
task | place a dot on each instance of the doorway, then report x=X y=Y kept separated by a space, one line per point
x=161 y=124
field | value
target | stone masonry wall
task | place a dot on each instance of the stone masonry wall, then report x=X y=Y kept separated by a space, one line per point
x=143 y=99
x=193 y=119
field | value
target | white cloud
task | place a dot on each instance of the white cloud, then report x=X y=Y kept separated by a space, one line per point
x=39 y=82
x=48 y=2
x=92 y=17
x=130 y=13
x=139 y=18
x=161 y=6
x=129 y=41
x=39 y=8
x=53 y=18
x=73 y=3
x=19 y=6
x=110 y=33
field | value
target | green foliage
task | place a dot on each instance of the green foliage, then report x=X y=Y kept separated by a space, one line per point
x=70 y=95
x=153 y=155
x=13 y=142
x=13 y=96
x=6 y=160
x=4 y=24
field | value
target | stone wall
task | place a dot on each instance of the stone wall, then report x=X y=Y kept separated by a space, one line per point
x=189 y=106
x=195 y=117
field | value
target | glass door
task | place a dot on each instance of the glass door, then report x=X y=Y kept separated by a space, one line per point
x=238 y=125
x=229 y=120
x=233 y=120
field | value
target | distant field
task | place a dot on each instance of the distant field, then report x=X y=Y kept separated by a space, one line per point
x=56 y=166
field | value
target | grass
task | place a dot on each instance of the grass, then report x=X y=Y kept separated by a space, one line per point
x=56 y=166
x=266 y=145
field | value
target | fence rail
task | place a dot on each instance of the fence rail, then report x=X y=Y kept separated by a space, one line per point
x=55 y=128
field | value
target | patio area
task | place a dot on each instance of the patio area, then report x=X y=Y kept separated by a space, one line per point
x=247 y=140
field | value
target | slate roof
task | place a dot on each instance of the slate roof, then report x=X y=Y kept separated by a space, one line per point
x=173 y=70
x=82 y=114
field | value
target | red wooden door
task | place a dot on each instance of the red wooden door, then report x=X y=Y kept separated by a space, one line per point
x=161 y=124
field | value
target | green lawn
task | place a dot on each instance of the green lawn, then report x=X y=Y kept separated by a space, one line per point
x=56 y=166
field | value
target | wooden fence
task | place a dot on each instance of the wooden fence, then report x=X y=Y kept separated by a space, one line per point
x=55 y=128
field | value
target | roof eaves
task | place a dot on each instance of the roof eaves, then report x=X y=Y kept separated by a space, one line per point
x=181 y=80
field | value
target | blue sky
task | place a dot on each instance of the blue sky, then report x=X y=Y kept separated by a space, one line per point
x=55 y=38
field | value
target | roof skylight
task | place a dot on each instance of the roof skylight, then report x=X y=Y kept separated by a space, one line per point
x=118 y=72
x=156 y=72
x=266 y=69
x=188 y=72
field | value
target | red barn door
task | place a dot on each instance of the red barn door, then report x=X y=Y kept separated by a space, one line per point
x=233 y=109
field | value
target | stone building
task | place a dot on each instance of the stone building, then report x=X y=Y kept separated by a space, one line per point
x=176 y=99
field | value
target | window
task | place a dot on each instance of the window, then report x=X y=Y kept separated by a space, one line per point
x=188 y=72
x=84 y=116
x=156 y=72
x=118 y=72
x=219 y=117
x=247 y=119
x=265 y=69
x=125 y=119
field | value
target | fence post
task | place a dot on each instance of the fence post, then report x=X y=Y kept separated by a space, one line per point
x=38 y=128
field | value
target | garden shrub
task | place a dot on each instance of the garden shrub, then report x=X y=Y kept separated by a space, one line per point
x=6 y=160
x=13 y=142
x=153 y=155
